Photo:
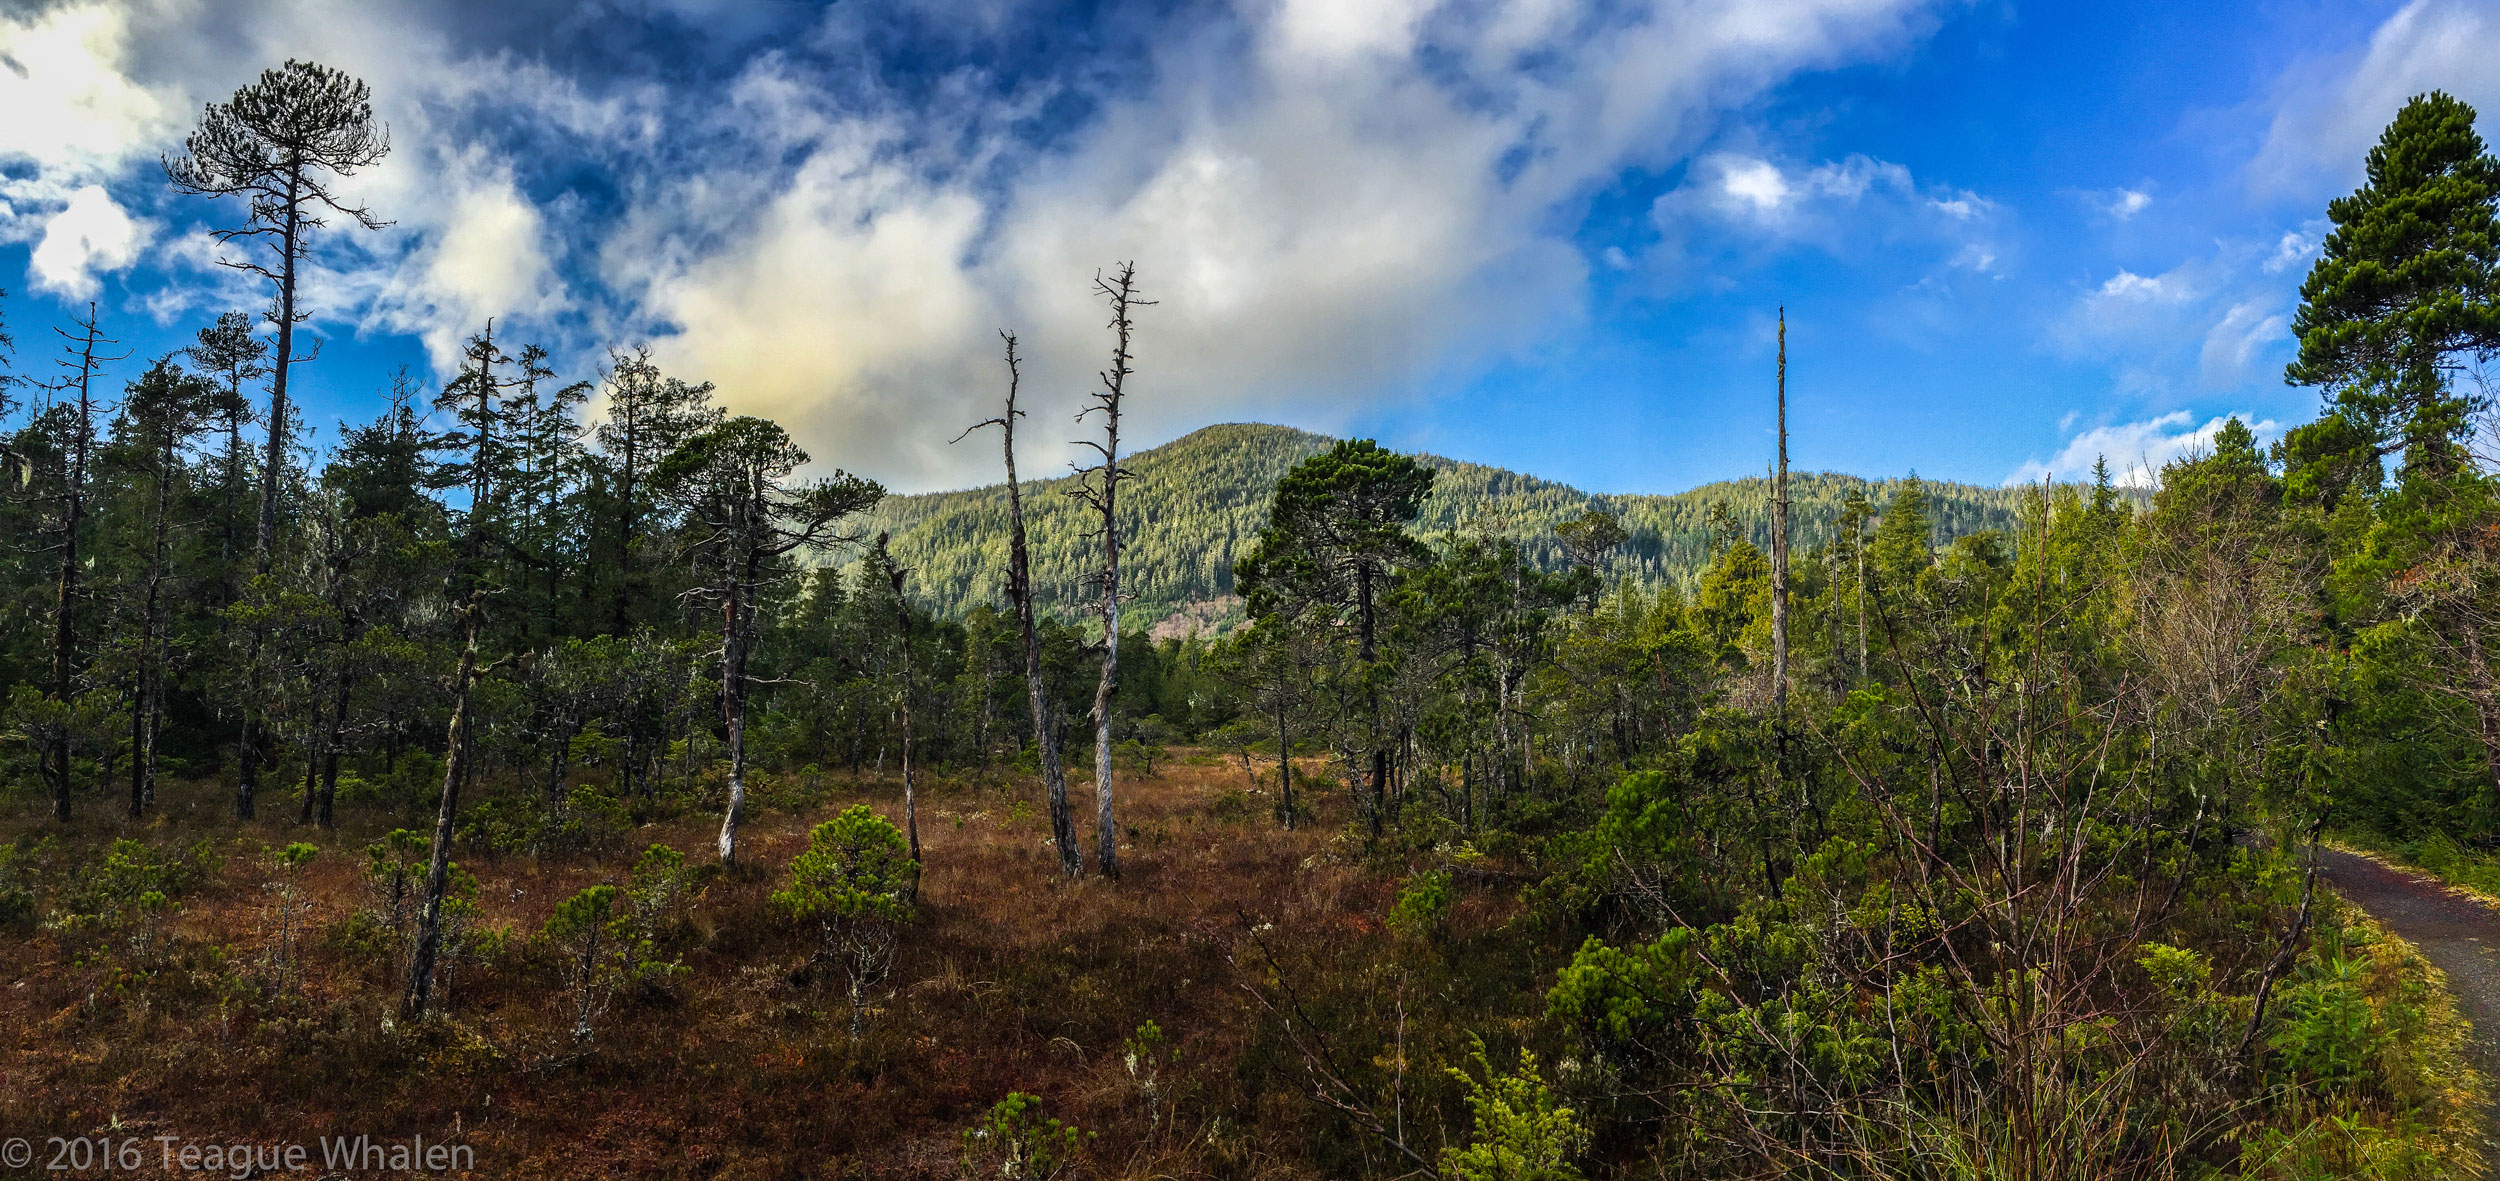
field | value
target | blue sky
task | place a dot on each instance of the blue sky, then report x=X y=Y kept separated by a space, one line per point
x=1545 y=234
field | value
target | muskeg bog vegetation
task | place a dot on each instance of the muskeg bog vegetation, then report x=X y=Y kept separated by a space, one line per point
x=565 y=767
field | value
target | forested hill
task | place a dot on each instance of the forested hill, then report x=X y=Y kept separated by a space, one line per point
x=1194 y=503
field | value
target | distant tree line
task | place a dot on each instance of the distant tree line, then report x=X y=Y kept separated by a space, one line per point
x=1206 y=495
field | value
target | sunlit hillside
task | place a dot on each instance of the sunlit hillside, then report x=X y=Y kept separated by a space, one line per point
x=1194 y=504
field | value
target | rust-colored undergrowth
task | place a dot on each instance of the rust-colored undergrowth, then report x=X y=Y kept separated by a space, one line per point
x=1010 y=979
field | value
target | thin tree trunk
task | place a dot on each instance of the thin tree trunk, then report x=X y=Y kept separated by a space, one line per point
x=734 y=703
x=247 y=746
x=139 y=738
x=1284 y=763
x=233 y=478
x=332 y=745
x=144 y=718
x=561 y=769
x=1831 y=615
x=1121 y=291
x=1370 y=653
x=274 y=461
x=626 y=521
x=2486 y=701
x=438 y=864
x=265 y=536
x=321 y=742
x=66 y=591
x=1020 y=591
x=911 y=798
x=1860 y=547
x=1779 y=547
x=1106 y=848
x=312 y=765
x=457 y=752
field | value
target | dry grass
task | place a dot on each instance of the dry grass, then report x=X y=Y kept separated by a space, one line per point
x=1010 y=979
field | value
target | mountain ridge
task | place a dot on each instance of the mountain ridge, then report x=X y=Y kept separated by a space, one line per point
x=1192 y=505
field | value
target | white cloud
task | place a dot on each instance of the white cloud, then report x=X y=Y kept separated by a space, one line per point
x=1752 y=185
x=2132 y=287
x=2126 y=203
x=2292 y=249
x=1976 y=257
x=850 y=284
x=118 y=84
x=2215 y=322
x=2331 y=110
x=478 y=249
x=73 y=110
x=89 y=234
x=74 y=120
x=1333 y=30
x=1740 y=186
x=2236 y=343
x=1841 y=206
x=2135 y=451
x=1329 y=221
x=1335 y=202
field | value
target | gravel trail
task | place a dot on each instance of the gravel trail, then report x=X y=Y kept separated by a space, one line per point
x=2458 y=935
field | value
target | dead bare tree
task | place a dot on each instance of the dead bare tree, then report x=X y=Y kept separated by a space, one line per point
x=76 y=415
x=1099 y=487
x=1779 y=544
x=474 y=397
x=902 y=624
x=1020 y=592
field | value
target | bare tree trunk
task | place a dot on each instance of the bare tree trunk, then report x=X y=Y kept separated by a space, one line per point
x=560 y=763
x=1106 y=847
x=1284 y=762
x=139 y=739
x=273 y=470
x=67 y=590
x=332 y=746
x=233 y=478
x=457 y=746
x=1379 y=770
x=1860 y=547
x=274 y=462
x=438 y=865
x=1121 y=292
x=148 y=715
x=733 y=699
x=247 y=747
x=1779 y=544
x=312 y=764
x=911 y=798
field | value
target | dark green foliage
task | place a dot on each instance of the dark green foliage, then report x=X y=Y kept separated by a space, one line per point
x=1014 y=1139
x=1206 y=496
x=1521 y=1131
x=2408 y=279
x=111 y=890
x=856 y=881
x=1335 y=533
x=603 y=938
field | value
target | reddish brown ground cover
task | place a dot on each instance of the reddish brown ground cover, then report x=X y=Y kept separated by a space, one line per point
x=1009 y=980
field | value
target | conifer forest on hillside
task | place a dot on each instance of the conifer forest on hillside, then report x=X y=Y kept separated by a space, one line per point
x=565 y=769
